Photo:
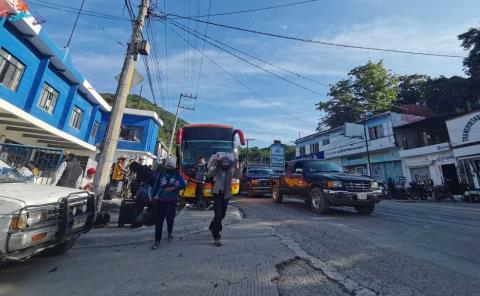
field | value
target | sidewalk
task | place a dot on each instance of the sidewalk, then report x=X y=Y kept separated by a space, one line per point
x=188 y=221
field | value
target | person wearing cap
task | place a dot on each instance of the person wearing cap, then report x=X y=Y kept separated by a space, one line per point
x=119 y=172
x=87 y=182
x=223 y=170
x=165 y=195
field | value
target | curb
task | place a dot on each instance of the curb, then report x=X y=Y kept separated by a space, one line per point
x=104 y=237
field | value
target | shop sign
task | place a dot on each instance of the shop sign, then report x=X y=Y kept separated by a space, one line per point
x=277 y=158
x=449 y=158
x=465 y=129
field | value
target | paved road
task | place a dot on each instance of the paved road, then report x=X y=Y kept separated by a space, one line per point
x=279 y=249
x=402 y=249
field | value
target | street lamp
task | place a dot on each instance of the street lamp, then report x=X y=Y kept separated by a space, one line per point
x=369 y=167
x=248 y=140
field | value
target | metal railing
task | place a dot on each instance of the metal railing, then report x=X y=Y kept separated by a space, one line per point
x=40 y=161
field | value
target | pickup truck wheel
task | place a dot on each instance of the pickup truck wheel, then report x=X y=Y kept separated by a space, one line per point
x=277 y=195
x=365 y=210
x=318 y=201
x=60 y=249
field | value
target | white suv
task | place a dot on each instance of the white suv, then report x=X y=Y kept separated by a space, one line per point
x=40 y=218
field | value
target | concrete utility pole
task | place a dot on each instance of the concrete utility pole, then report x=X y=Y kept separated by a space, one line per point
x=118 y=108
x=179 y=105
x=246 y=157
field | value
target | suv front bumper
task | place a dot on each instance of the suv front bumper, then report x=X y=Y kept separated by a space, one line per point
x=347 y=198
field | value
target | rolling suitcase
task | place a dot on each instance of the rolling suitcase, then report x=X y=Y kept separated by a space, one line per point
x=128 y=212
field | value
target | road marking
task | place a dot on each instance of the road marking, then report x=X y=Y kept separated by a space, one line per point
x=348 y=284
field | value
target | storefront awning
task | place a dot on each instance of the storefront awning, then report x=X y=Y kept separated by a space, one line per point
x=24 y=128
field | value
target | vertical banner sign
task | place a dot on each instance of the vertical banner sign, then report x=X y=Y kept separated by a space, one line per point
x=277 y=158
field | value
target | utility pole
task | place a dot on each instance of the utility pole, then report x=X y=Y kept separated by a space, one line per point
x=179 y=105
x=369 y=166
x=248 y=140
x=136 y=46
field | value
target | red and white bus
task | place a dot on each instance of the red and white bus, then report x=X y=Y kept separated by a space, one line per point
x=204 y=140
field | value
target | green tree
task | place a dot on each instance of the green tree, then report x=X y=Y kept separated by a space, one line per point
x=343 y=105
x=370 y=87
x=412 y=88
x=471 y=41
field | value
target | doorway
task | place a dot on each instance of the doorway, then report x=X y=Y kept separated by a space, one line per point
x=450 y=178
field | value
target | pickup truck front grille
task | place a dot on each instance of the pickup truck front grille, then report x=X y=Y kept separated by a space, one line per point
x=357 y=186
x=264 y=182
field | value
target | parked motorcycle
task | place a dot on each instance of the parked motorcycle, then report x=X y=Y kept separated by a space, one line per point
x=441 y=192
x=397 y=190
x=420 y=190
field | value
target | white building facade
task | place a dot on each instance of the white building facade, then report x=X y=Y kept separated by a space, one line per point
x=351 y=151
x=464 y=133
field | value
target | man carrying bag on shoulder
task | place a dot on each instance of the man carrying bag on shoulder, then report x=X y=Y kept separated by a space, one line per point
x=223 y=167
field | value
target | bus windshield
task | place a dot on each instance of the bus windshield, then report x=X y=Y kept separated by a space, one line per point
x=195 y=148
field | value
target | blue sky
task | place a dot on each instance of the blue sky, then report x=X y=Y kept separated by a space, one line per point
x=98 y=49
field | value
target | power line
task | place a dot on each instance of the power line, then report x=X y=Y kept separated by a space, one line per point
x=315 y=41
x=261 y=60
x=75 y=24
x=252 y=10
x=241 y=82
x=166 y=49
x=74 y=10
x=203 y=47
x=150 y=84
x=245 y=60
x=156 y=65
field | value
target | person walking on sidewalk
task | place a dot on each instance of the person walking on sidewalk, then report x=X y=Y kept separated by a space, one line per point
x=223 y=170
x=165 y=196
x=69 y=173
x=200 y=182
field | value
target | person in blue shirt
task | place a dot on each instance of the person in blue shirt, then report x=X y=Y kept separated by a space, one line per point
x=165 y=195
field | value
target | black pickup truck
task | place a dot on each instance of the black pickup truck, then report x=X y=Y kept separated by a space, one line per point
x=323 y=184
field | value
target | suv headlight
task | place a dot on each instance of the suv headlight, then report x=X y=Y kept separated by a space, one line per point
x=374 y=186
x=334 y=184
x=26 y=219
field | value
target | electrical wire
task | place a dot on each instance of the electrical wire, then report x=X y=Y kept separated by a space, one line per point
x=150 y=83
x=154 y=56
x=74 y=10
x=203 y=48
x=166 y=51
x=245 y=60
x=253 y=9
x=75 y=25
x=261 y=60
x=317 y=41
x=241 y=82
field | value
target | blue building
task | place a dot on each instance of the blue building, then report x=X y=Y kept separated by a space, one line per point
x=45 y=101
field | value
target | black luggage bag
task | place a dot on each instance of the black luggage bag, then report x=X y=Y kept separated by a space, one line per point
x=128 y=212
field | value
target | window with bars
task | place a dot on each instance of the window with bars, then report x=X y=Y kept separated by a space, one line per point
x=302 y=151
x=314 y=148
x=93 y=132
x=48 y=99
x=376 y=132
x=77 y=117
x=11 y=70
x=131 y=133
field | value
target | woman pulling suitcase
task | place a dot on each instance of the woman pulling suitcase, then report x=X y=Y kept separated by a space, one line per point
x=165 y=195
